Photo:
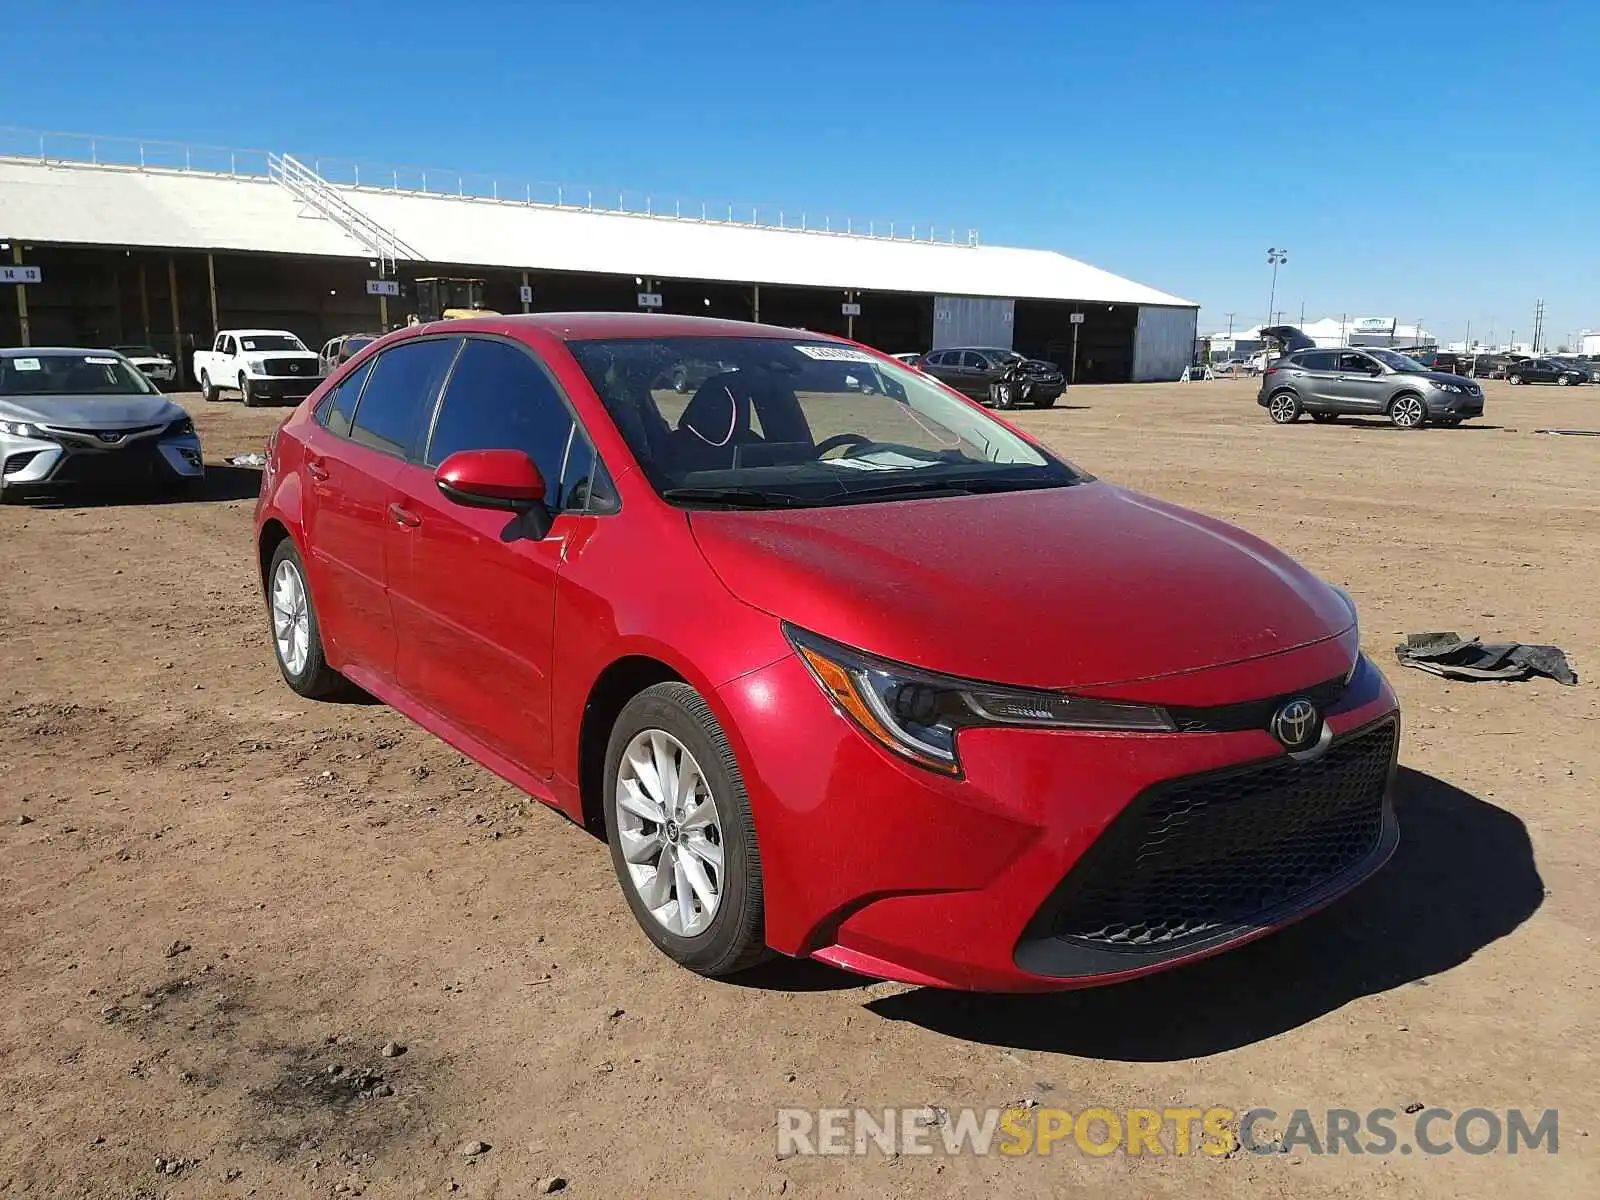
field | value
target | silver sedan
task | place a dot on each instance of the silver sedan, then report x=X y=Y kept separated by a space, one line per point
x=88 y=418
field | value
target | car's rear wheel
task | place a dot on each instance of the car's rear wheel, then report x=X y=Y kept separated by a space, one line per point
x=208 y=391
x=1407 y=411
x=296 y=633
x=1284 y=407
x=1564 y=381
x=1324 y=418
x=683 y=841
x=1513 y=378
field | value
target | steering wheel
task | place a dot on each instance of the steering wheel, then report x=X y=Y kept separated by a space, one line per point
x=852 y=440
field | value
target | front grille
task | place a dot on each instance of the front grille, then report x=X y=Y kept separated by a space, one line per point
x=1252 y=714
x=90 y=439
x=139 y=463
x=1199 y=856
x=290 y=366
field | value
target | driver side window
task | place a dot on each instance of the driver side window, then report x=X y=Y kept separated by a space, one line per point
x=1358 y=364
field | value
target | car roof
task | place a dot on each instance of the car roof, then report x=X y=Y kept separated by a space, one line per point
x=586 y=326
x=35 y=351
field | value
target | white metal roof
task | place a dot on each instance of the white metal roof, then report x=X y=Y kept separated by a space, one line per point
x=87 y=204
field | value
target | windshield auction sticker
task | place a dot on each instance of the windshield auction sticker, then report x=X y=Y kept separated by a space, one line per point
x=836 y=354
x=24 y=364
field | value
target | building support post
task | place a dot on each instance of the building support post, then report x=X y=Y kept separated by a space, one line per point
x=144 y=303
x=22 y=296
x=177 y=331
x=526 y=307
x=211 y=278
x=850 y=321
x=756 y=315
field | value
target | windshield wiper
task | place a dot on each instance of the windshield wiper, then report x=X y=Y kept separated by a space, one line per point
x=733 y=497
x=949 y=487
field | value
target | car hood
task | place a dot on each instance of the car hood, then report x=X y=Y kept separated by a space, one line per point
x=90 y=412
x=141 y=359
x=1063 y=587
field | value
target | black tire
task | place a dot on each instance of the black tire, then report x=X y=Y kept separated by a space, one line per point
x=1002 y=395
x=735 y=938
x=316 y=678
x=1283 y=407
x=246 y=394
x=1046 y=401
x=1564 y=381
x=1324 y=418
x=1408 y=411
x=207 y=391
x=1513 y=379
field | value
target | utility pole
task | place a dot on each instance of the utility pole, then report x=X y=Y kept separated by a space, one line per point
x=1276 y=257
x=1538 y=324
x=1467 y=345
x=1230 y=317
x=1302 y=313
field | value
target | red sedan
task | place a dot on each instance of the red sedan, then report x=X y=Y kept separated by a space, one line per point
x=840 y=664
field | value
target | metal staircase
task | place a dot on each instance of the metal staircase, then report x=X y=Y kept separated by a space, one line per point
x=318 y=194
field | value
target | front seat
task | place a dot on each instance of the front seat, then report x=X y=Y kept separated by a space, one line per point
x=714 y=424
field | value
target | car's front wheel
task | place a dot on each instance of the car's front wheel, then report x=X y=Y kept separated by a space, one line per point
x=1002 y=395
x=1408 y=412
x=1564 y=381
x=208 y=390
x=296 y=633
x=1284 y=407
x=1513 y=378
x=683 y=841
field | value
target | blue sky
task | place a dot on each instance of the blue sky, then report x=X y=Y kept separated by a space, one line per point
x=1433 y=160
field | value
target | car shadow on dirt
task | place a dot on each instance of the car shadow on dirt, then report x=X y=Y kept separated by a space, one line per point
x=1463 y=877
x=221 y=483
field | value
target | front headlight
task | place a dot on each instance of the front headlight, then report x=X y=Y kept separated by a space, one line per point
x=1355 y=619
x=183 y=426
x=917 y=714
x=1447 y=387
x=258 y=365
x=20 y=429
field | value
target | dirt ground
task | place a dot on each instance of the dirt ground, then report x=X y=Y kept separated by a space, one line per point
x=215 y=893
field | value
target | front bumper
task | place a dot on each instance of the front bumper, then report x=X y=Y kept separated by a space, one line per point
x=1451 y=404
x=284 y=387
x=35 y=466
x=877 y=866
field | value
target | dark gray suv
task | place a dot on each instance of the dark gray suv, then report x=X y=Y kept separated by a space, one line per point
x=1366 y=382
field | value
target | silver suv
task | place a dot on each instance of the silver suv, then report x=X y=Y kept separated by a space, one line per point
x=1366 y=382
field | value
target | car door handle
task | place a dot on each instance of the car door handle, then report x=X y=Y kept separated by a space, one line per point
x=404 y=516
x=315 y=469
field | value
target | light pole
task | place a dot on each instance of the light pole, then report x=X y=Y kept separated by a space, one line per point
x=1276 y=256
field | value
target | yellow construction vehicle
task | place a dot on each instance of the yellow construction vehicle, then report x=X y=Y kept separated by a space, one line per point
x=450 y=299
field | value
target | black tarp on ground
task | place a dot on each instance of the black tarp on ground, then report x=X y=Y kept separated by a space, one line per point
x=1447 y=654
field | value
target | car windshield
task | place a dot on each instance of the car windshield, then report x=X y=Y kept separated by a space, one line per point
x=270 y=341
x=1396 y=362
x=70 y=374
x=137 y=351
x=351 y=345
x=785 y=423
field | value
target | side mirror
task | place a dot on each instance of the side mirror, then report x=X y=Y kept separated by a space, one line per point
x=503 y=479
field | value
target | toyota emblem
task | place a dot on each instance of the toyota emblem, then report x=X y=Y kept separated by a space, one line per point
x=1296 y=724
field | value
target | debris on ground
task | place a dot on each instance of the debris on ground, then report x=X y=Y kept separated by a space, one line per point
x=1570 y=432
x=473 y=1149
x=248 y=460
x=392 y=1050
x=1451 y=656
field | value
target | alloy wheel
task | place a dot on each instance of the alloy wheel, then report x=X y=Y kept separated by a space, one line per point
x=291 y=618
x=1284 y=408
x=670 y=832
x=1407 y=412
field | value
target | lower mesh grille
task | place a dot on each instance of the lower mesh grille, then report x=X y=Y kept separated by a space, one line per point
x=1201 y=855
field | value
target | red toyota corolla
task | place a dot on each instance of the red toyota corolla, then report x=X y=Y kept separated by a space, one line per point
x=842 y=665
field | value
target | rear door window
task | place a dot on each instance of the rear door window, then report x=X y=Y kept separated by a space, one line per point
x=1318 y=360
x=339 y=405
x=399 y=395
x=499 y=398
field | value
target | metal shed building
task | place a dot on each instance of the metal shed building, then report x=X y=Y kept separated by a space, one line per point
x=151 y=242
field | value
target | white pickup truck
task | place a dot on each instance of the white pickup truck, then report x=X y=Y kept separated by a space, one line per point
x=259 y=364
